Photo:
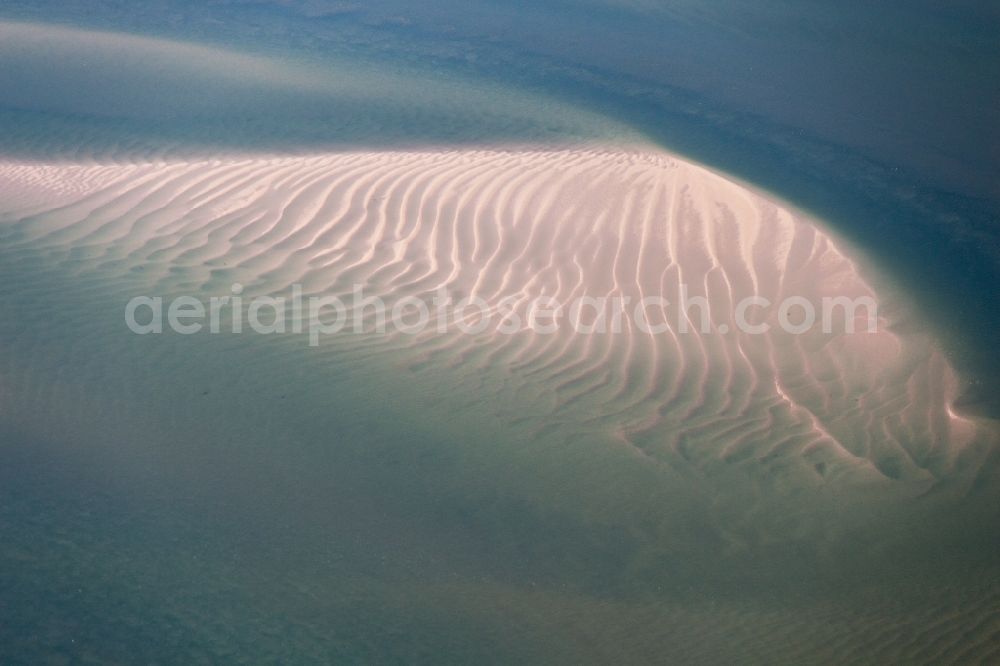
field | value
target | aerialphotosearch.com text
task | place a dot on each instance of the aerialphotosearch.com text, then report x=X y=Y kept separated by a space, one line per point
x=442 y=312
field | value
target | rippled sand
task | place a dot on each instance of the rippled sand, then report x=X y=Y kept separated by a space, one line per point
x=519 y=225
x=718 y=458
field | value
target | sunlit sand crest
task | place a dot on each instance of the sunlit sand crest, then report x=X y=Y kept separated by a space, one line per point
x=517 y=225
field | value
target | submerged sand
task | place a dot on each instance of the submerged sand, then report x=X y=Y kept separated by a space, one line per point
x=513 y=226
x=760 y=440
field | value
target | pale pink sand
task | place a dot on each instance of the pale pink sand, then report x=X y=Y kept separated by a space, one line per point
x=521 y=224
